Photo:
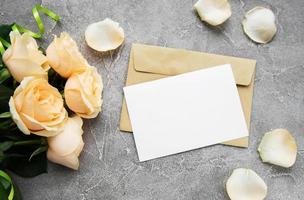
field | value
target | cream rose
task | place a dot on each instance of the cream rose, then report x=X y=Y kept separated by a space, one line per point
x=83 y=92
x=64 y=57
x=65 y=148
x=23 y=58
x=37 y=108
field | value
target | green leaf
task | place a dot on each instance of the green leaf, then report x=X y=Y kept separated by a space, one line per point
x=4 y=35
x=12 y=191
x=16 y=158
x=6 y=184
x=5 y=31
x=15 y=84
x=28 y=142
x=3 y=192
x=9 y=135
x=5 y=115
x=20 y=164
x=1 y=63
x=38 y=151
x=5 y=94
x=2 y=156
x=6 y=124
x=4 y=75
x=17 y=195
x=4 y=146
x=56 y=80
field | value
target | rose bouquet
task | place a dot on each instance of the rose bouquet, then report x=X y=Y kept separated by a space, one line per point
x=43 y=97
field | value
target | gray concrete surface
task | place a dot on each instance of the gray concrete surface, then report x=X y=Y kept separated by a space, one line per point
x=109 y=165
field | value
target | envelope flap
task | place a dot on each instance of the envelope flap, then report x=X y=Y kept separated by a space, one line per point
x=169 y=61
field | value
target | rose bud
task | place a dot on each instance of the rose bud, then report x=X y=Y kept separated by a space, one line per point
x=83 y=93
x=65 y=148
x=23 y=58
x=64 y=56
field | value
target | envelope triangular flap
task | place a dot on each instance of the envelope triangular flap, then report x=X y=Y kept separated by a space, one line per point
x=168 y=61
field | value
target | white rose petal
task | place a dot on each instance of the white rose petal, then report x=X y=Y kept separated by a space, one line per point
x=259 y=25
x=245 y=184
x=214 y=12
x=104 y=35
x=278 y=147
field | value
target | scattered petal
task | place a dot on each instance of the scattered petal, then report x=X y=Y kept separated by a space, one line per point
x=259 y=24
x=214 y=12
x=278 y=147
x=245 y=184
x=104 y=35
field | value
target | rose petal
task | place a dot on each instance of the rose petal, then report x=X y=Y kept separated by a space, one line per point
x=64 y=56
x=35 y=125
x=20 y=68
x=74 y=100
x=65 y=148
x=104 y=35
x=39 y=106
x=245 y=184
x=16 y=118
x=42 y=128
x=70 y=161
x=58 y=119
x=259 y=25
x=49 y=133
x=90 y=115
x=83 y=93
x=214 y=12
x=278 y=147
x=31 y=123
x=67 y=142
x=18 y=46
x=23 y=58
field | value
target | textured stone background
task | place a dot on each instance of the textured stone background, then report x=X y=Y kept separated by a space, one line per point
x=109 y=165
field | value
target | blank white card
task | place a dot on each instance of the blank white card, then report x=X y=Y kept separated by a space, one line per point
x=185 y=112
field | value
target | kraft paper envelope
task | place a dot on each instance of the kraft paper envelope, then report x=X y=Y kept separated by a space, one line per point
x=149 y=63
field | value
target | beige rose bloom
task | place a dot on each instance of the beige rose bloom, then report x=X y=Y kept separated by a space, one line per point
x=37 y=108
x=83 y=92
x=64 y=56
x=65 y=148
x=23 y=58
